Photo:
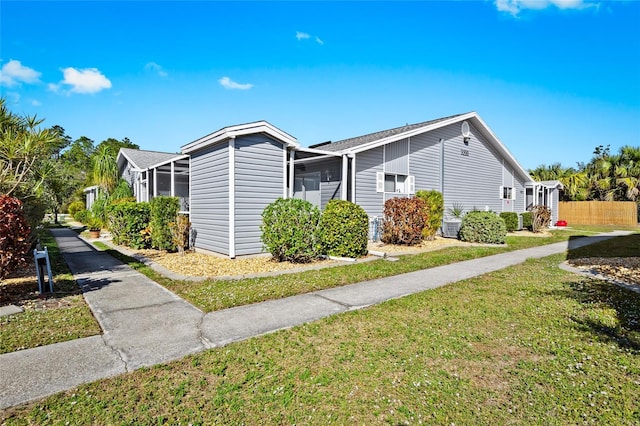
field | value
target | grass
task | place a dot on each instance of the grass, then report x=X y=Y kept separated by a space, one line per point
x=34 y=328
x=530 y=344
x=212 y=295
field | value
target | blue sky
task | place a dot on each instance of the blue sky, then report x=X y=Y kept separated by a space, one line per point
x=552 y=78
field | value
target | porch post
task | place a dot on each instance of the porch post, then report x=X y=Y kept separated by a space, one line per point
x=155 y=183
x=353 y=179
x=173 y=180
x=292 y=157
x=345 y=172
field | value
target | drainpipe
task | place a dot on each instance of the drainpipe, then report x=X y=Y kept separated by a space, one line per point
x=345 y=172
x=353 y=178
x=232 y=197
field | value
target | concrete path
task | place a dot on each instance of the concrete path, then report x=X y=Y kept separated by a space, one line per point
x=144 y=324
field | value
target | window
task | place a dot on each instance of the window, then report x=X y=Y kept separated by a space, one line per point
x=507 y=193
x=393 y=183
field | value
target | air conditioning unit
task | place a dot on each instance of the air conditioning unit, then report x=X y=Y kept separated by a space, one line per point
x=451 y=228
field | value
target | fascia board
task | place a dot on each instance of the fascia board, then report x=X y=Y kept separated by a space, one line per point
x=319 y=151
x=241 y=130
x=121 y=154
x=171 y=160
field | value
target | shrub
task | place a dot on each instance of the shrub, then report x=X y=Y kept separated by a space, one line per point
x=99 y=210
x=510 y=220
x=75 y=207
x=127 y=221
x=527 y=222
x=122 y=190
x=540 y=217
x=435 y=211
x=483 y=227
x=404 y=219
x=14 y=235
x=163 y=211
x=82 y=216
x=289 y=230
x=180 y=232
x=343 y=229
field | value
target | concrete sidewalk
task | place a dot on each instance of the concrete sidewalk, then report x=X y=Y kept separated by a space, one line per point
x=144 y=324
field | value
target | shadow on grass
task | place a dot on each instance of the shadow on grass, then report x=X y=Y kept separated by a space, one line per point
x=623 y=246
x=599 y=297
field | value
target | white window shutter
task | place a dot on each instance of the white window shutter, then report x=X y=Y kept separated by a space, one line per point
x=411 y=184
x=513 y=193
x=379 y=181
x=501 y=192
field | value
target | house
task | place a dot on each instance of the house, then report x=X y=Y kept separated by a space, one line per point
x=152 y=173
x=227 y=178
x=458 y=156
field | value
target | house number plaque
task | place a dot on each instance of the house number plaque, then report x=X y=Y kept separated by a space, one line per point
x=464 y=152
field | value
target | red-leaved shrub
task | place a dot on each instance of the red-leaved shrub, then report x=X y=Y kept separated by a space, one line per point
x=14 y=235
x=404 y=219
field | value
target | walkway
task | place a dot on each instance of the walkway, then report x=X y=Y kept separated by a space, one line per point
x=144 y=324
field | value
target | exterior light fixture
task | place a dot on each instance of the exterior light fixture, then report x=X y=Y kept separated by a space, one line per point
x=466 y=133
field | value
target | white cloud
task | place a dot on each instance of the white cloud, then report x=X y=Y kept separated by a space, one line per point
x=306 y=36
x=302 y=36
x=153 y=67
x=514 y=7
x=36 y=102
x=227 y=83
x=13 y=73
x=84 y=81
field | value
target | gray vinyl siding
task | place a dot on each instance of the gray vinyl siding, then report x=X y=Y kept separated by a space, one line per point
x=367 y=164
x=424 y=161
x=210 y=198
x=396 y=157
x=330 y=178
x=259 y=180
x=127 y=174
x=474 y=180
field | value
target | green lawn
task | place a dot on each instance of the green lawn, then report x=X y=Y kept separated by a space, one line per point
x=530 y=344
x=212 y=295
x=43 y=327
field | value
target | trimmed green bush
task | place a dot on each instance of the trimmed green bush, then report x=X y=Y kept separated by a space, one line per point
x=289 y=230
x=343 y=229
x=434 y=206
x=163 y=211
x=127 y=222
x=527 y=220
x=483 y=227
x=82 y=216
x=510 y=220
x=404 y=219
x=75 y=207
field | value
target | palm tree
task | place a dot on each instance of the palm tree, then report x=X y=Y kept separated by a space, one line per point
x=105 y=169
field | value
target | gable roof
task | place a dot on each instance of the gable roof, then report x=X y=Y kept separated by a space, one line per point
x=240 y=130
x=141 y=159
x=372 y=140
x=350 y=143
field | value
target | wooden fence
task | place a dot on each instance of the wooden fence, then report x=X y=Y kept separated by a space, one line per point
x=598 y=212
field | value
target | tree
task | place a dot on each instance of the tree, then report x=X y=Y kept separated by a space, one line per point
x=105 y=168
x=25 y=150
